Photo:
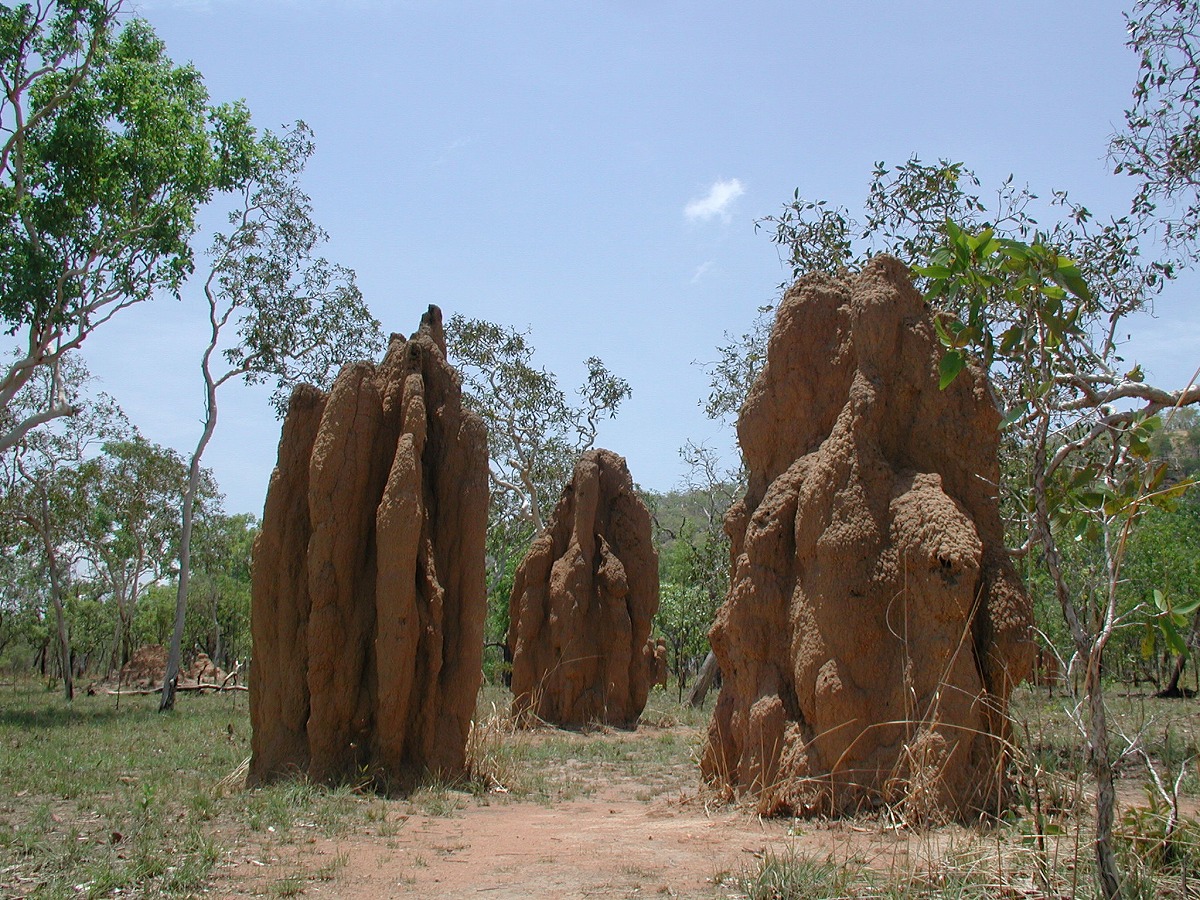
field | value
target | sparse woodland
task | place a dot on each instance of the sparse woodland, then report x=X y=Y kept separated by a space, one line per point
x=108 y=542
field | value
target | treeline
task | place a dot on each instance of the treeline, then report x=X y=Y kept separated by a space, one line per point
x=109 y=153
x=89 y=548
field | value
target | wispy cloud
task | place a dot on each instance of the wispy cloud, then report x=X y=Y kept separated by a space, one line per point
x=716 y=203
x=451 y=150
x=701 y=271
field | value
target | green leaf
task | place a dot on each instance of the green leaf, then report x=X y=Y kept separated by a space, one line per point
x=1139 y=448
x=965 y=337
x=1146 y=427
x=1174 y=639
x=1115 y=506
x=944 y=326
x=933 y=271
x=1067 y=274
x=1082 y=476
x=1157 y=478
x=1160 y=600
x=952 y=363
x=1187 y=608
x=1010 y=339
x=1014 y=414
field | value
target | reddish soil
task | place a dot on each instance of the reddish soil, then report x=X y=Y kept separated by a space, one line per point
x=629 y=820
x=616 y=842
x=611 y=845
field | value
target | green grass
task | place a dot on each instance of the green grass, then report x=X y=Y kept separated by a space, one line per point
x=89 y=786
x=1168 y=729
x=97 y=801
x=790 y=876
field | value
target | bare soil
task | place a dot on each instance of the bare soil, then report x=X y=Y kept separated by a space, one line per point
x=614 y=813
x=638 y=830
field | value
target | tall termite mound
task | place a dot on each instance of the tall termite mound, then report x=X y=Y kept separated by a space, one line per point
x=582 y=601
x=368 y=596
x=874 y=627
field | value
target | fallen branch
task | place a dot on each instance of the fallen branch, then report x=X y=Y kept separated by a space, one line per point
x=200 y=688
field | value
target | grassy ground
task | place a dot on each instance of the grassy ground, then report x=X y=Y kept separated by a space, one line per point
x=98 y=800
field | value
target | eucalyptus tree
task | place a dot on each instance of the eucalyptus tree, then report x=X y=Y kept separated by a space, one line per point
x=222 y=549
x=22 y=625
x=1160 y=145
x=277 y=312
x=107 y=150
x=43 y=488
x=535 y=433
x=1162 y=565
x=133 y=490
x=694 y=560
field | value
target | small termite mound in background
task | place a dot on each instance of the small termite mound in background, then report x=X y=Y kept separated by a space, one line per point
x=582 y=601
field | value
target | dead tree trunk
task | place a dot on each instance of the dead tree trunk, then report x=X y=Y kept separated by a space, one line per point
x=704 y=680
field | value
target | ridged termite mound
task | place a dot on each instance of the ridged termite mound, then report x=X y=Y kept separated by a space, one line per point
x=582 y=602
x=368 y=595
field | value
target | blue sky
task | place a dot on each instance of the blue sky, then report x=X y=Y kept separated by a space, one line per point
x=592 y=171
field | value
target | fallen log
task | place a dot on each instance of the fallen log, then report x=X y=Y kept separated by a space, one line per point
x=199 y=688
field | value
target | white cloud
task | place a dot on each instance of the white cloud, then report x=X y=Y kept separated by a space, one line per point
x=720 y=196
x=701 y=271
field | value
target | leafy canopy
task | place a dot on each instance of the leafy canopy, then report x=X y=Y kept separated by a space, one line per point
x=109 y=149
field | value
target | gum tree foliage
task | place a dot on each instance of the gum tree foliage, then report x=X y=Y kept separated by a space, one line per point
x=107 y=149
x=43 y=489
x=221 y=582
x=133 y=490
x=1160 y=146
x=535 y=435
x=1162 y=573
x=693 y=556
x=295 y=316
x=218 y=613
x=738 y=363
x=23 y=637
x=89 y=523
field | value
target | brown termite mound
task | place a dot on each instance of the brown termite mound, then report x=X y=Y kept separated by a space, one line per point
x=582 y=601
x=368 y=595
x=874 y=627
